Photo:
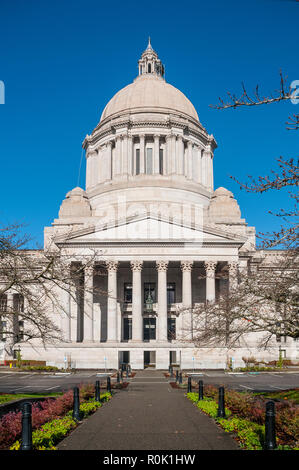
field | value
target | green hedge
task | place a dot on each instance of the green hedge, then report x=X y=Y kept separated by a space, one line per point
x=251 y=436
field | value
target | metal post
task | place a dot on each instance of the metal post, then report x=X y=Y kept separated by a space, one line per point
x=221 y=404
x=121 y=375
x=26 y=427
x=98 y=390
x=117 y=377
x=200 y=390
x=177 y=376
x=76 y=407
x=108 y=384
x=180 y=378
x=270 y=437
x=189 y=385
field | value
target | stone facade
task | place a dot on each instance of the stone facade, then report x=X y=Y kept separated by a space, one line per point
x=160 y=231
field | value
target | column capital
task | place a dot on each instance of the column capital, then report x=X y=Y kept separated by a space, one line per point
x=156 y=136
x=210 y=267
x=186 y=266
x=136 y=265
x=112 y=265
x=161 y=266
x=88 y=268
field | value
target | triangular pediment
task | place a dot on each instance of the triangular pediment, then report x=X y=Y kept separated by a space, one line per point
x=141 y=228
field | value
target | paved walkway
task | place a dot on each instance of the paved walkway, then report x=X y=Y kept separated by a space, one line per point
x=148 y=415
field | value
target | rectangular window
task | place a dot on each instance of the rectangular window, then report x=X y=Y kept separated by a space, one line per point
x=150 y=288
x=161 y=161
x=171 y=293
x=171 y=329
x=149 y=161
x=3 y=303
x=149 y=329
x=127 y=329
x=137 y=163
x=128 y=293
x=3 y=331
x=21 y=330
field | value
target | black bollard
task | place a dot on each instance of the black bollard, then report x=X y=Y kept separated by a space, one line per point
x=221 y=404
x=76 y=406
x=117 y=377
x=121 y=375
x=170 y=371
x=26 y=427
x=189 y=385
x=180 y=378
x=200 y=390
x=270 y=437
x=108 y=384
x=98 y=391
x=177 y=376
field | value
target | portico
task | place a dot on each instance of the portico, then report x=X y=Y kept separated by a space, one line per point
x=133 y=292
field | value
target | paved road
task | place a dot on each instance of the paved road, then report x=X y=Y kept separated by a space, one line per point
x=18 y=382
x=149 y=415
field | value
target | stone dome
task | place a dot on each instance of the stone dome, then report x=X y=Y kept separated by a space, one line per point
x=223 y=205
x=147 y=93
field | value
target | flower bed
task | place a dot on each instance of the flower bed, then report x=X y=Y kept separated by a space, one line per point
x=246 y=418
x=47 y=412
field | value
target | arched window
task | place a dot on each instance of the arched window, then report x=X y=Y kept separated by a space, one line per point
x=149 y=68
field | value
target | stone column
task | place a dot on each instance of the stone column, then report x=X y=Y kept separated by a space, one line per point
x=130 y=155
x=118 y=155
x=156 y=154
x=137 y=301
x=108 y=159
x=65 y=311
x=162 y=300
x=233 y=275
x=88 y=170
x=186 y=267
x=190 y=160
x=204 y=168
x=125 y=156
x=112 y=301
x=167 y=160
x=142 y=148
x=9 y=323
x=92 y=167
x=180 y=155
x=210 y=280
x=88 y=304
x=173 y=155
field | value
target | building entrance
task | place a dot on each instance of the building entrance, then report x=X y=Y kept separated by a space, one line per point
x=149 y=359
x=123 y=359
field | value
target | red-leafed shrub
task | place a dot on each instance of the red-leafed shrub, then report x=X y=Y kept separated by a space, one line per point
x=42 y=412
x=247 y=406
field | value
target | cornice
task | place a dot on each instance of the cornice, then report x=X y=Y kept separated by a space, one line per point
x=194 y=129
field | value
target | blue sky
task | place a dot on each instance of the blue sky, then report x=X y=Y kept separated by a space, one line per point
x=62 y=61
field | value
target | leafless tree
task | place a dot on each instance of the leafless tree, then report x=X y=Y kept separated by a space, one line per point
x=265 y=302
x=287 y=174
x=37 y=281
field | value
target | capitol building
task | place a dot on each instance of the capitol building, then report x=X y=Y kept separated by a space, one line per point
x=151 y=216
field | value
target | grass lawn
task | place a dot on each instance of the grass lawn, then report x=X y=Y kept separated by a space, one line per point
x=7 y=397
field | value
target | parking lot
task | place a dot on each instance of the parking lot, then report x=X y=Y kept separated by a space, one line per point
x=26 y=382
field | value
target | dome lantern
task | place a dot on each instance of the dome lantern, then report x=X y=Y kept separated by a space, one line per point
x=150 y=63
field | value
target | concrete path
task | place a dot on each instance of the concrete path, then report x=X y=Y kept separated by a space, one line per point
x=148 y=415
